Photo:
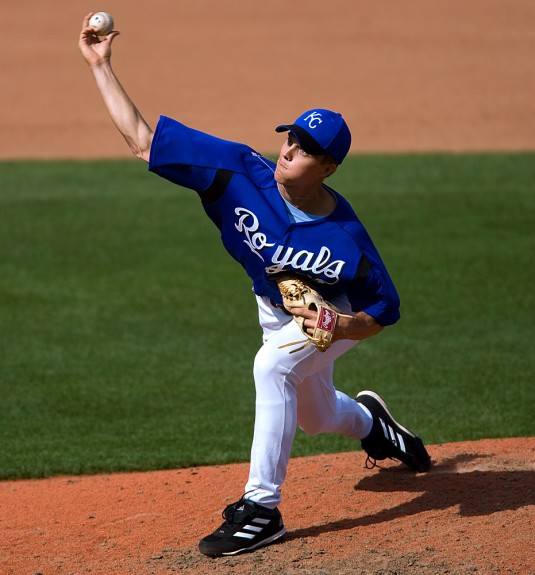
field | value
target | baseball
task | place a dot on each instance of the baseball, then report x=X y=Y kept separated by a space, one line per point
x=102 y=22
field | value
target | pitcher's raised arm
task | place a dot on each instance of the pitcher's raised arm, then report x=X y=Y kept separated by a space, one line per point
x=126 y=117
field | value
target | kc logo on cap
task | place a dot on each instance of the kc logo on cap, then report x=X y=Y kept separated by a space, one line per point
x=313 y=119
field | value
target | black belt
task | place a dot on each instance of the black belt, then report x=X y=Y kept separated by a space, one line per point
x=279 y=306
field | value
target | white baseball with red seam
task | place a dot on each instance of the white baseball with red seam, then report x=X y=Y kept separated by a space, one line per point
x=102 y=22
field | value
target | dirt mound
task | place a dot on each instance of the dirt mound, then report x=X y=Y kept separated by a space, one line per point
x=473 y=513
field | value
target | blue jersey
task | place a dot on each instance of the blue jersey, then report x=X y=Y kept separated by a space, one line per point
x=238 y=191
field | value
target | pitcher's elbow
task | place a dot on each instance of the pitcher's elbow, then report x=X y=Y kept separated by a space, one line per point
x=141 y=150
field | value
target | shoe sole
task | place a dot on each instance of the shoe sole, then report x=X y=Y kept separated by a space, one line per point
x=267 y=541
x=422 y=466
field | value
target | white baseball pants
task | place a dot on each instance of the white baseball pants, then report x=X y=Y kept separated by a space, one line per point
x=294 y=389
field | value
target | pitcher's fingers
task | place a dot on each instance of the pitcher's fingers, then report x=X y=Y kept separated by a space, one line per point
x=85 y=22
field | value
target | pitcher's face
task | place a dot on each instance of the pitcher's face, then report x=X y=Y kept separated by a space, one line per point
x=297 y=167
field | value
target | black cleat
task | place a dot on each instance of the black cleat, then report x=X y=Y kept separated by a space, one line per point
x=247 y=526
x=389 y=439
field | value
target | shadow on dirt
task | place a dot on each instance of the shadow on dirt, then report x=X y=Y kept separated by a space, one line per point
x=475 y=492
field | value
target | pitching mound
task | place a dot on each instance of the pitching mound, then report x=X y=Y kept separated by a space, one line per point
x=474 y=513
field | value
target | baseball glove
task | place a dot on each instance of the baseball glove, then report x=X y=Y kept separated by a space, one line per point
x=296 y=293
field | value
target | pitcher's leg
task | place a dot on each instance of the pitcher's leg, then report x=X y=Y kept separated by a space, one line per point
x=323 y=409
x=278 y=375
x=274 y=430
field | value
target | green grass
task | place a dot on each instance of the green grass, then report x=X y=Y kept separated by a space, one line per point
x=127 y=334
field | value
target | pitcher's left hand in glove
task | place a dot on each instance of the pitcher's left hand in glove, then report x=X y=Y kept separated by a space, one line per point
x=297 y=294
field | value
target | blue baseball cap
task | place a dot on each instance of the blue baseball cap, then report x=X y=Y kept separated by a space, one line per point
x=321 y=132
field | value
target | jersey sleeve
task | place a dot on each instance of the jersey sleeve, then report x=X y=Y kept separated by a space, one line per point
x=375 y=294
x=372 y=289
x=191 y=158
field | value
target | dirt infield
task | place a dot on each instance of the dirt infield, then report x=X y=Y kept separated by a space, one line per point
x=408 y=76
x=412 y=75
x=473 y=514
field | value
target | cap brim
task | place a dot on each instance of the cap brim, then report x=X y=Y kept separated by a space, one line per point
x=305 y=140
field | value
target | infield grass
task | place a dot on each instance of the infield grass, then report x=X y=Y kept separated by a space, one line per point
x=127 y=334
